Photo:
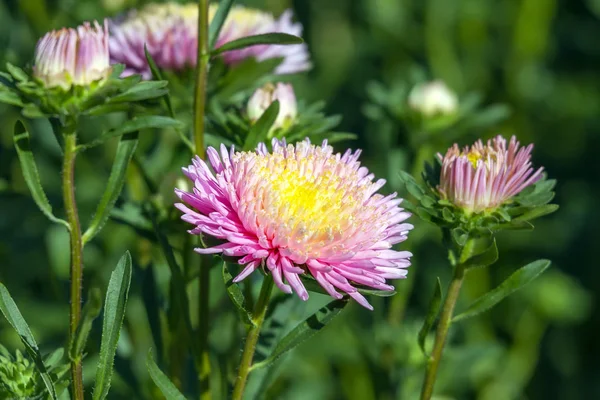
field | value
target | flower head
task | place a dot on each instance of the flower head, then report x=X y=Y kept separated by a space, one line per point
x=73 y=57
x=483 y=177
x=433 y=98
x=169 y=32
x=299 y=210
x=243 y=21
x=18 y=377
x=262 y=99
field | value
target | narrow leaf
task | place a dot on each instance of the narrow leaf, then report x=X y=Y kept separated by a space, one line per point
x=237 y=297
x=432 y=312
x=116 y=179
x=114 y=313
x=17 y=72
x=168 y=389
x=516 y=281
x=259 y=131
x=11 y=98
x=91 y=310
x=157 y=75
x=135 y=125
x=16 y=320
x=142 y=91
x=537 y=212
x=304 y=331
x=484 y=258
x=217 y=21
x=30 y=173
x=265 y=38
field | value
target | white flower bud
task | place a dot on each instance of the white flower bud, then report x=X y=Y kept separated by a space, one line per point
x=262 y=99
x=433 y=98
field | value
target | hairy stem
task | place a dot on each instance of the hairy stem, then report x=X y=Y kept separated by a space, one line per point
x=258 y=318
x=68 y=188
x=201 y=74
x=442 y=331
x=203 y=58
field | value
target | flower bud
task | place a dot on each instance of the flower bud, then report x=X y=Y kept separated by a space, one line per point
x=433 y=98
x=73 y=57
x=262 y=99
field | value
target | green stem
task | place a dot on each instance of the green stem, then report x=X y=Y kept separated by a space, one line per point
x=68 y=187
x=203 y=327
x=204 y=278
x=258 y=318
x=442 y=331
x=200 y=92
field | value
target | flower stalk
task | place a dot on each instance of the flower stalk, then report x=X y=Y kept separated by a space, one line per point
x=258 y=318
x=68 y=187
x=203 y=58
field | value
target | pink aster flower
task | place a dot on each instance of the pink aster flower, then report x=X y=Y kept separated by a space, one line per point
x=298 y=210
x=73 y=57
x=483 y=177
x=243 y=21
x=169 y=31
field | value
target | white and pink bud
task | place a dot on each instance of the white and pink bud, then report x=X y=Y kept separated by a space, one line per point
x=73 y=57
x=265 y=96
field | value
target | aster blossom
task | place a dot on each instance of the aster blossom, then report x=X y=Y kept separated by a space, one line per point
x=298 y=210
x=433 y=98
x=483 y=177
x=170 y=32
x=263 y=97
x=73 y=57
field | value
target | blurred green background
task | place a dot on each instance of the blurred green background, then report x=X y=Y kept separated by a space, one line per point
x=541 y=58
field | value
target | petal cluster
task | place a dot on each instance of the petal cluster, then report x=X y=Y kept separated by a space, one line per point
x=73 y=57
x=298 y=210
x=483 y=177
x=433 y=98
x=170 y=32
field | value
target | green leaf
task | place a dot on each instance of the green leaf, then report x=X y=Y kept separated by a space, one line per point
x=134 y=125
x=237 y=297
x=114 y=313
x=91 y=310
x=30 y=173
x=245 y=76
x=516 y=281
x=411 y=185
x=132 y=216
x=432 y=312
x=125 y=151
x=217 y=21
x=483 y=258
x=168 y=389
x=15 y=319
x=157 y=75
x=142 y=91
x=537 y=212
x=17 y=73
x=259 y=131
x=265 y=38
x=9 y=97
x=303 y=331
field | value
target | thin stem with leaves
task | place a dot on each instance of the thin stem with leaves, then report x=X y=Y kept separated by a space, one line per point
x=258 y=317
x=203 y=58
x=68 y=188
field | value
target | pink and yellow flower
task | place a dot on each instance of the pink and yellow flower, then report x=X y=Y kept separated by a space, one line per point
x=73 y=57
x=299 y=210
x=483 y=177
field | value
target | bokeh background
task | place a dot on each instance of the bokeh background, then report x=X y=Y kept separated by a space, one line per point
x=534 y=65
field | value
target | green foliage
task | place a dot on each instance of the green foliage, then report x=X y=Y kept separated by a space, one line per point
x=114 y=313
x=516 y=281
x=432 y=313
x=168 y=389
x=254 y=40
